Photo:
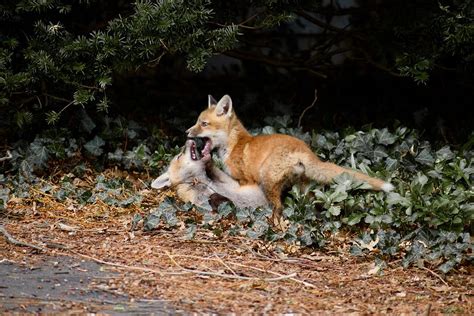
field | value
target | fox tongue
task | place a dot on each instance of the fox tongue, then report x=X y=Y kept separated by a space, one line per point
x=207 y=148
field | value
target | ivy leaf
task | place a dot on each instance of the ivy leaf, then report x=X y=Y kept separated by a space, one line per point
x=334 y=210
x=268 y=130
x=444 y=153
x=394 y=198
x=425 y=157
x=152 y=221
x=354 y=218
x=384 y=137
x=116 y=156
x=363 y=143
x=391 y=164
x=447 y=266
x=242 y=214
x=378 y=153
x=94 y=146
x=39 y=153
x=415 y=253
x=224 y=209
x=190 y=231
x=135 y=220
x=258 y=229
x=306 y=237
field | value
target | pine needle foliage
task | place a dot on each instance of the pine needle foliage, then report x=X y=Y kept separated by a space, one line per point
x=58 y=55
x=48 y=63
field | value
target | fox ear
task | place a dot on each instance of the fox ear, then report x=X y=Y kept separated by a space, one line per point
x=224 y=106
x=211 y=101
x=162 y=181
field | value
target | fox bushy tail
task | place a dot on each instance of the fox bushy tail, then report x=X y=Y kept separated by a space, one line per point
x=325 y=172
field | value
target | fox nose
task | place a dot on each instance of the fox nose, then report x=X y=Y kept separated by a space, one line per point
x=188 y=132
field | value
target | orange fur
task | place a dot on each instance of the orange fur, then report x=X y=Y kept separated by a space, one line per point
x=197 y=180
x=272 y=161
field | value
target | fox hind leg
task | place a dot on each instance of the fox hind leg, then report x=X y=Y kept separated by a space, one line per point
x=273 y=195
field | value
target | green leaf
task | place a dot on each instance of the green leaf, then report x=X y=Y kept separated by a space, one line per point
x=152 y=221
x=103 y=105
x=242 y=214
x=224 y=209
x=391 y=164
x=444 y=153
x=135 y=220
x=39 y=154
x=95 y=145
x=447 y=266
x=258 y=229
x=334 y=210
x=166 y=211
x=394 y=198
x=83 y=96
x=52 y=117
x=190 y=231
x=422 y=179
x=354 y=219
x=425 y=157
x=384 y=137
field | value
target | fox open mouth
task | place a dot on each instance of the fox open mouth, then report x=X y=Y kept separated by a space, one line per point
x=200 y=148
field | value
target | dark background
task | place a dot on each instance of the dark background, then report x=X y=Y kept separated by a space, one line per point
x=351 y=97
x=374 y=63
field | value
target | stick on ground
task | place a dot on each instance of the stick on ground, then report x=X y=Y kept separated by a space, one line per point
x=8 y=156
x=13 y=241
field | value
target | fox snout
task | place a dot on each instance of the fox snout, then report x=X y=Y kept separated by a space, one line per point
x=190 y=132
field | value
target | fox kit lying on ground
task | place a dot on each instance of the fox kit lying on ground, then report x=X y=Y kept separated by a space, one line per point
x=195 y=179
x=268 y=160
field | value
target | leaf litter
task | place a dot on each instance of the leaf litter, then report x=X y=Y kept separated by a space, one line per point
x=215 y=270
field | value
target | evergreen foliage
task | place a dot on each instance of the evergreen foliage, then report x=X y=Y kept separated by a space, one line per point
x=47 y=64
x=57 y=54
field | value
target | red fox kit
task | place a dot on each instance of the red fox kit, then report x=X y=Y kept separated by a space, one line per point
x=270 y=161
x=195 y=179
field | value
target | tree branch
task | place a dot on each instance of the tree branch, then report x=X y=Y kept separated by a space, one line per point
x=308 y=107
x=273 y=62
x=327 y=26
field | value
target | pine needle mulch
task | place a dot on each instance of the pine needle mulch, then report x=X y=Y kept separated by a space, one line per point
x=226 y=273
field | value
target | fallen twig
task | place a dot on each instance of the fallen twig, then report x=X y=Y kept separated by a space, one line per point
x=13 y=241
x=225 y=264
x=280 y=276
x=7 y=157
x=436 y=275
x=428 y=310
x=308 y=107
x=118 y=265
x=186 y=270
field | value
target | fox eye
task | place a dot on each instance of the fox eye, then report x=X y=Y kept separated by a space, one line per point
x=204 y=123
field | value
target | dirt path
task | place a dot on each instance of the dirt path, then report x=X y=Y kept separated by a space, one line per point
x=112 y=270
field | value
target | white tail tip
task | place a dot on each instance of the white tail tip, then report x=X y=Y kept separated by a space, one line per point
x=387 y=187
